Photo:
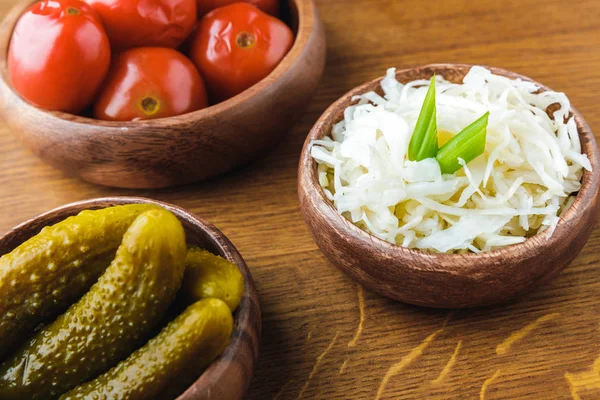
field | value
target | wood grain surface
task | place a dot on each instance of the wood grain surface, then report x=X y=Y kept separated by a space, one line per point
x=323 y=336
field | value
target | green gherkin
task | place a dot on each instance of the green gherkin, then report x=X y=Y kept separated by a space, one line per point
x=110 y=321
x=45 y=274
x=169 y=362
x=208 y=275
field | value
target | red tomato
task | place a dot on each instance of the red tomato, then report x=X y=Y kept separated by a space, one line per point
x=150 y=82
x=236 y=46
x=58 y=55
x=134 y=23
x=268 y=6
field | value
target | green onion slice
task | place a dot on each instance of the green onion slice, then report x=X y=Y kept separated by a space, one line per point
x=467 y=144
x=424 y=142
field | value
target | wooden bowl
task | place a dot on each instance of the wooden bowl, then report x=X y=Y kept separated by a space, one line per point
x=228 y=377
x=176 y=150
x=443 y=280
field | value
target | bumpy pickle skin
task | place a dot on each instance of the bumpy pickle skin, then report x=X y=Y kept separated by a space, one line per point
x=47 y=273
x=110 y=321
x=207 y=275
x=176 y=356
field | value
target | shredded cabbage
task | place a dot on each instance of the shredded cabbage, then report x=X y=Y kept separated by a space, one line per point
x=528 y=175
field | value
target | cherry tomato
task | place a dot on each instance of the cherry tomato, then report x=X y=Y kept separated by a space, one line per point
x=135 y=23
x=236 y=46
x=268 y=6
x=58 y=55
x=150 y=82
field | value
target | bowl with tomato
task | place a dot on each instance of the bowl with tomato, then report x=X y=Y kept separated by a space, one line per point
x=156 y=93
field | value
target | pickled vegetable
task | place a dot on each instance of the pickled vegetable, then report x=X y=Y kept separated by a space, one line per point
x=110 y=321
x=208 y=275
x=47 y=273
x=169 y=362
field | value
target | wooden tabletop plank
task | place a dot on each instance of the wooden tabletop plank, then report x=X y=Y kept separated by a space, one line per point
x=323 y=336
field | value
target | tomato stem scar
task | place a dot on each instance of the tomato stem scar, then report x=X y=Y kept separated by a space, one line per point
x=245 y=40
x=149 y=105
x=73 y=11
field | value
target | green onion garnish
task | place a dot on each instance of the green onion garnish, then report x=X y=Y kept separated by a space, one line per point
x=466 y=144
x=424 y=141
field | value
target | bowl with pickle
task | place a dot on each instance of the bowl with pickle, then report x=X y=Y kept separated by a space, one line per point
x=124 y=298
x=153 y=94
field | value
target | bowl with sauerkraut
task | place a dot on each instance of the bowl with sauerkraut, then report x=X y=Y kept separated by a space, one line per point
x=450 y=185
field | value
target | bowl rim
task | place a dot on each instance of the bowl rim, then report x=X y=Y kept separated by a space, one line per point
x=247 y=313
x=308 y=180
x=307 y=22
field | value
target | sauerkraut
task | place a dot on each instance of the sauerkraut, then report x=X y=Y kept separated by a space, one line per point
x=530 y=171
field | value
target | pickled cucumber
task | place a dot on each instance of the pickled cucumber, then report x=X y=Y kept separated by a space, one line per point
x=47 y=273
x=169 y=362
x=110 y=321
x=207 y=275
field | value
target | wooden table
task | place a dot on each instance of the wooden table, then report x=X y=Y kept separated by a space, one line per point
x=323 y=336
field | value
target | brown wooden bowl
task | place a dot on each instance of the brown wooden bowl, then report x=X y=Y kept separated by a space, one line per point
x=228 y=377
x=443 y=280
x=176 y=150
